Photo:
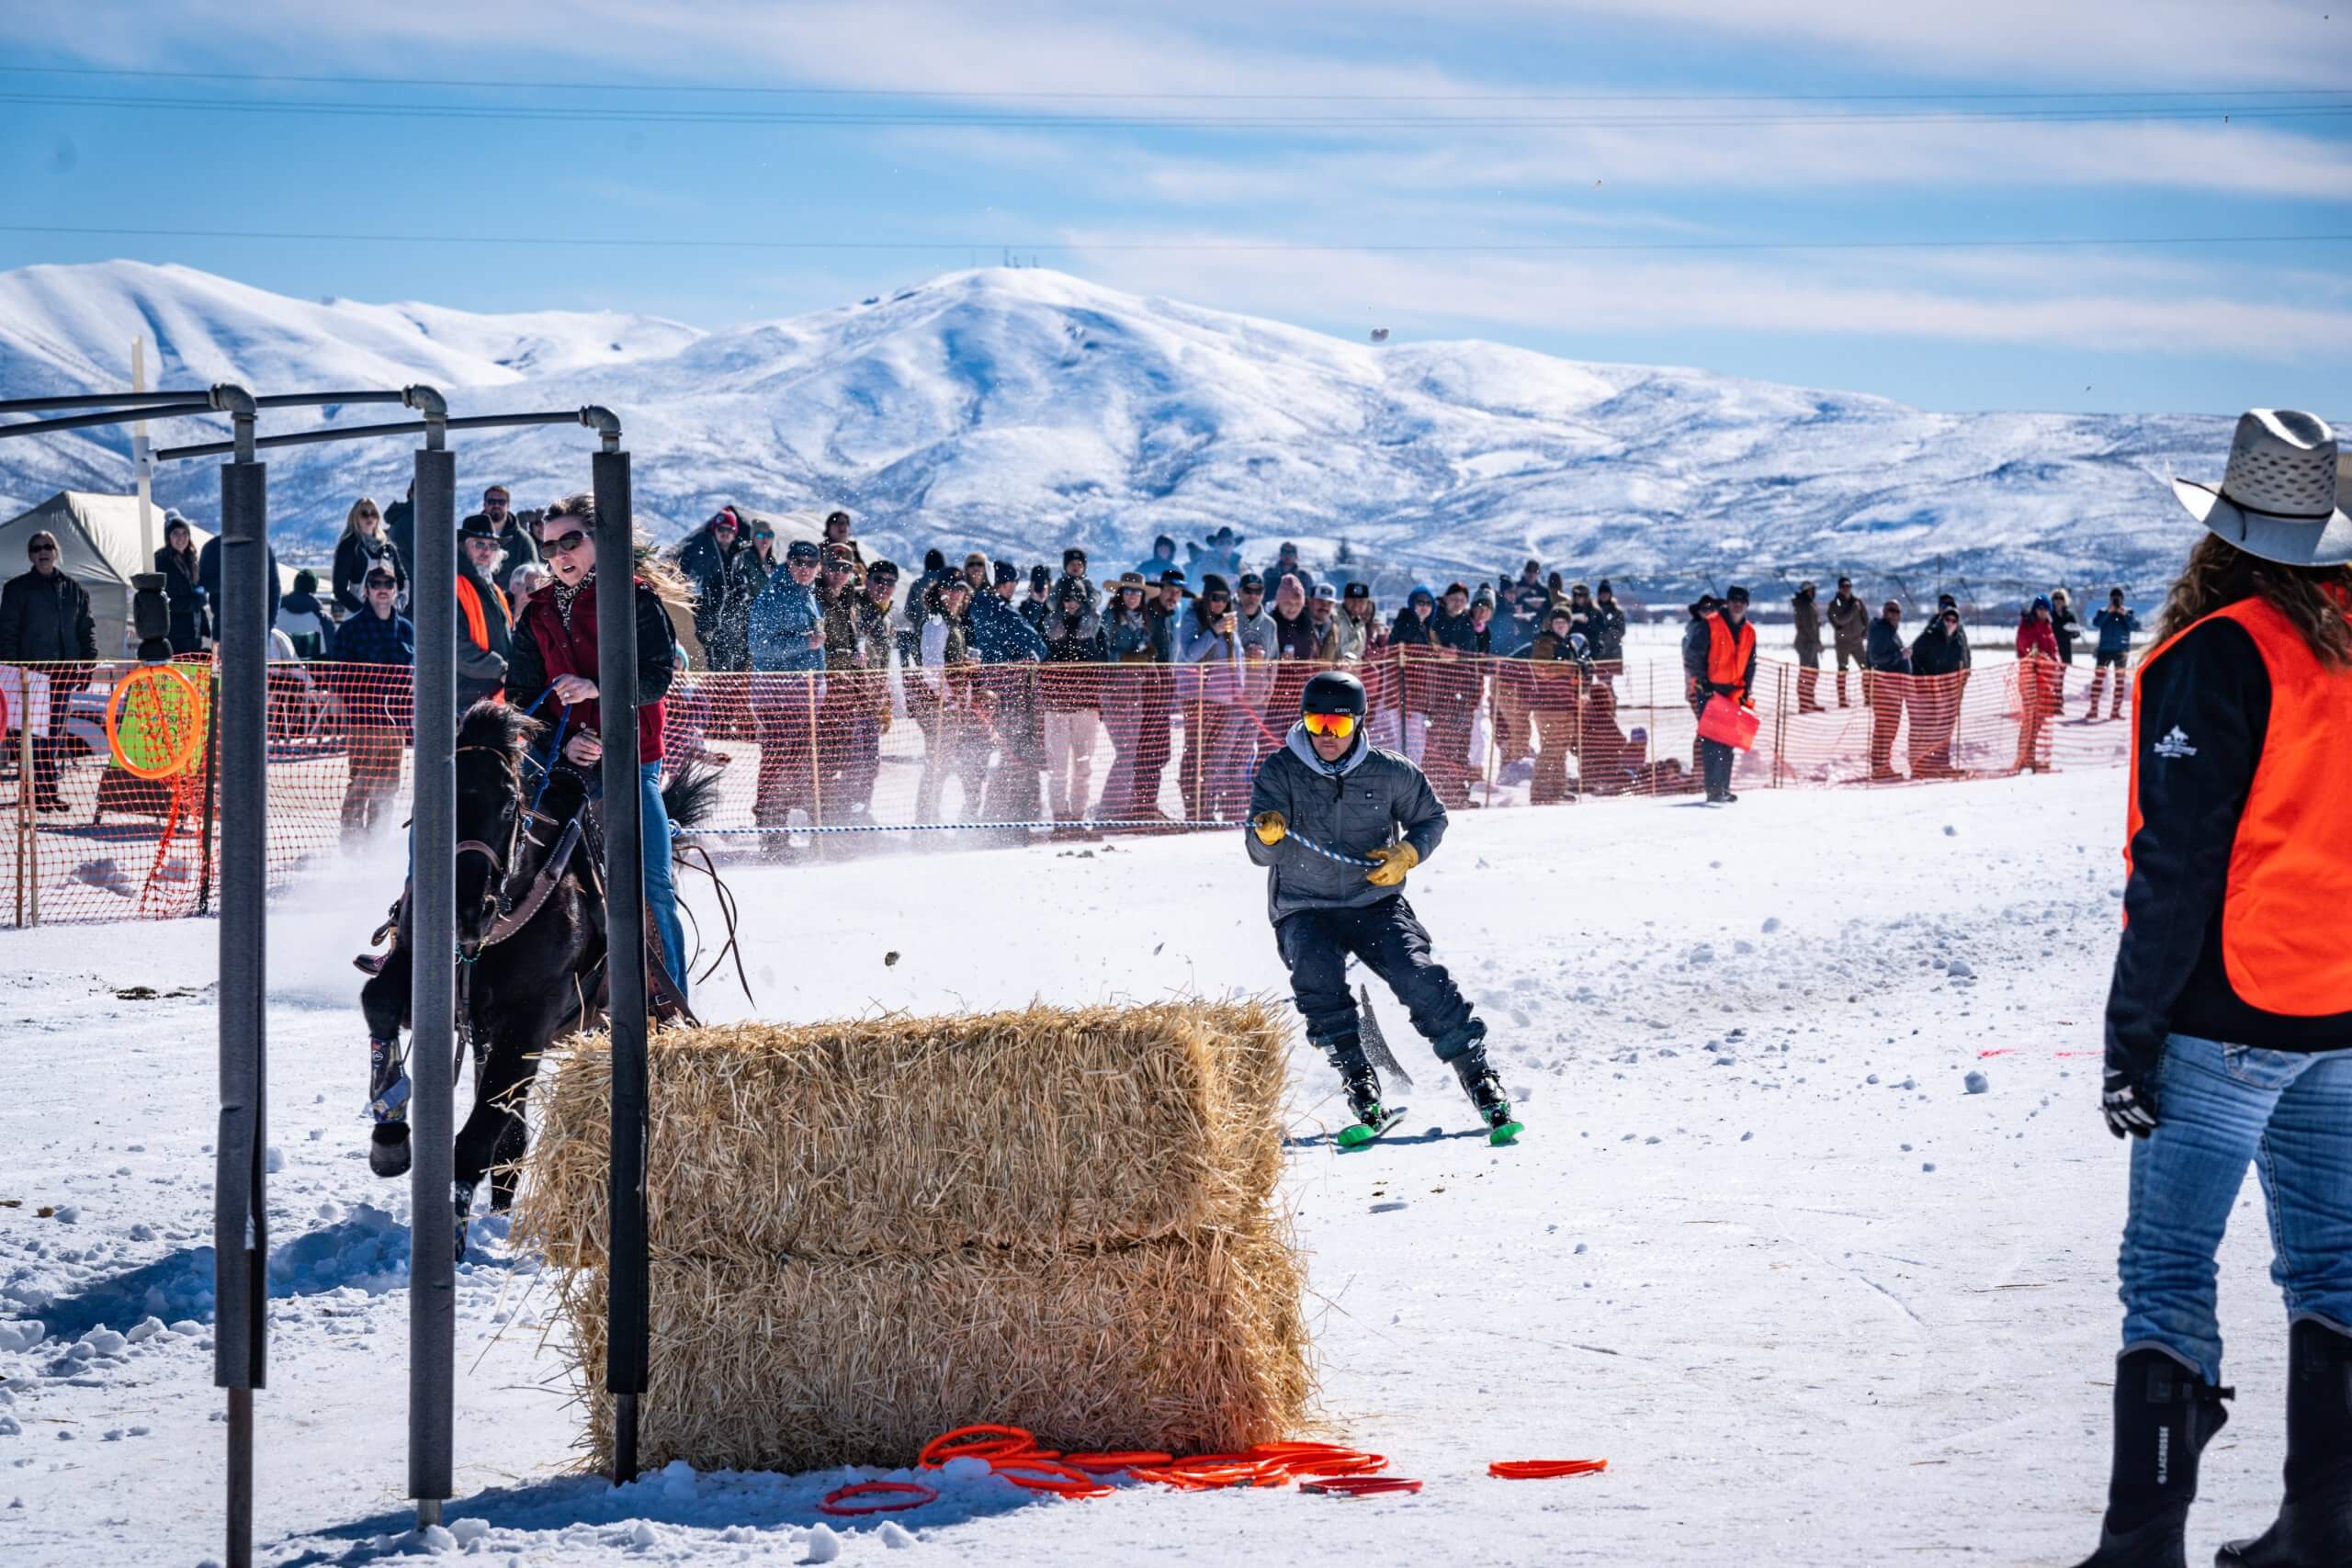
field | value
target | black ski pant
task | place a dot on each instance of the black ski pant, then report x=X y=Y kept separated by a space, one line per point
x=1714 y=758
x=1393 y=944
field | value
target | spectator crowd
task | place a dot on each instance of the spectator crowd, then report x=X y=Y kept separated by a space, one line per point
x=1006 y=674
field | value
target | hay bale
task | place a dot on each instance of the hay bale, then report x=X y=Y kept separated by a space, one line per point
x=1039 y=1130
x=1194 y=1344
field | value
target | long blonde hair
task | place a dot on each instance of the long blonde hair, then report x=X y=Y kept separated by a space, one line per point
x=364 y=507
x=669 y=584
x=2218 y=574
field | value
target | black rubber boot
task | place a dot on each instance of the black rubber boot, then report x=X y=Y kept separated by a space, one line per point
x=1345 y=1053
x=2314 y=1526
x=2165 y=1415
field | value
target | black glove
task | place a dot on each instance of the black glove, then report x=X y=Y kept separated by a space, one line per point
x=2128 y=1099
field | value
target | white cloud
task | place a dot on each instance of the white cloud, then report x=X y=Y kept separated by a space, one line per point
x=2188 y=311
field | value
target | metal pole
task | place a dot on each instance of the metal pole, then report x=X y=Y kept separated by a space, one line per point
x=211 y=777
x=240 y=1216
x=627 y=1345
x=432 y=999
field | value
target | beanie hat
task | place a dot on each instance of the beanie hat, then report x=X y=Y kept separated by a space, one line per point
x=934 y=561
x=1212 y=585
x=1736 y=594
x=1007 y=572
x=1039 y=577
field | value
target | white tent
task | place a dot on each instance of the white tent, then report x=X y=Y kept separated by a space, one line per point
x=98 y=547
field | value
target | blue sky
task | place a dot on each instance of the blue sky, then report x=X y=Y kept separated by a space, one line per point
x=944 y=133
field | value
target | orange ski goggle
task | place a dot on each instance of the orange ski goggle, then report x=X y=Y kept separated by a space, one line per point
x=1338 y=725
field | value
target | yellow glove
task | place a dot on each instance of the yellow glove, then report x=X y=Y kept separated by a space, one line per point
x=1270 y=827
x=1394 y=859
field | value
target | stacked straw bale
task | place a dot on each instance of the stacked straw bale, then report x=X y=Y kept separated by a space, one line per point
x=866 y=1233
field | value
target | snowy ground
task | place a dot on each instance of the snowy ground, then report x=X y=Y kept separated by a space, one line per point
x=1761 y=1248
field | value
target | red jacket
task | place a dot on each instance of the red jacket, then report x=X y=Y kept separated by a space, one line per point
x=2035 y=636
x=545 y=648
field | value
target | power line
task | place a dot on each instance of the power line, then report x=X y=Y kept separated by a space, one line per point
x=1214 y=247
x=700 y=88
x=581 y=111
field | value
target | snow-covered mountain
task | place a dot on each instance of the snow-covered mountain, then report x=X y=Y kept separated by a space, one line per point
x=1014 y=410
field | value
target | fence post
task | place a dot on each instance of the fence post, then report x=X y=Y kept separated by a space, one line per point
x=816 y=762
x=1779 y=722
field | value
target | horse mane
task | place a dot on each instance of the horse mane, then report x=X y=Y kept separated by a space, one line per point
x=501 y=727
x=691 y=794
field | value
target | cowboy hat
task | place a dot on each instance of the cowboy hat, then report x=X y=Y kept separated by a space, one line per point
x=2277 y=497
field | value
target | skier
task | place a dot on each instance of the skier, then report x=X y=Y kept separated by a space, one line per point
x=1345 y=796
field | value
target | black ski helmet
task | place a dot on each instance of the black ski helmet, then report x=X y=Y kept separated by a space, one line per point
x=1333 y=691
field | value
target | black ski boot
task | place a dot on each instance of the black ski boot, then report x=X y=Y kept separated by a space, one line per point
x=388 y=1101
x=2315 y=1521
x=2165 y=1415
x=1362 y=1084
x=1485 y=1092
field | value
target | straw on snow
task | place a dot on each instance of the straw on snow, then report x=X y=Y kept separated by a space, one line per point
x=1039 y=1130
x=1189 y=1346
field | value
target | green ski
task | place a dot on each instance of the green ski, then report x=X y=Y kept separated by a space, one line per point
x=1356 y=1135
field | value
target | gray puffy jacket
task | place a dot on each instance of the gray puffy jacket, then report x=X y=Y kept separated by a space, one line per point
x=1371 y=798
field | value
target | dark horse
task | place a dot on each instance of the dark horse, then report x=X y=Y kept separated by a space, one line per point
x=530 y=943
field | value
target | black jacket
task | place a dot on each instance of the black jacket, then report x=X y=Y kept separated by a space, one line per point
x=355 y=556
x=1933 y=653
x=208 y=577
x=184 y=598
x=2202 y=717
x=1886 y=652
x=46 y=620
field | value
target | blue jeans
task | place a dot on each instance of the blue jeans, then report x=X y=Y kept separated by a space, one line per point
x=2220 y=1108
x=660 y=888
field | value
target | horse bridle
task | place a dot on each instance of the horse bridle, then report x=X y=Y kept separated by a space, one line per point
x=499 y=861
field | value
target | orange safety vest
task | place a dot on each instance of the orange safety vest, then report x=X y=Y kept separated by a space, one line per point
x=1729 y=652
x=2283 y=912
x=477 y=625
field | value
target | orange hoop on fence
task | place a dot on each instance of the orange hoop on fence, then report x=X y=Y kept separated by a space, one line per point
x=155 y=722
x=1545 y=1469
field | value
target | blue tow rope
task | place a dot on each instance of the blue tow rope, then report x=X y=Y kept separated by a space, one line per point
x=1341 y=856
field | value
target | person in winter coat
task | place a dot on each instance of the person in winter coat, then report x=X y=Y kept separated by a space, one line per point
x=715 y=559
x=2115 y=625
x=1329 y=785
x=1528 y=598
x=304 y=620
x=1128 y=642
x=45 y=619
x=208 y=577
x=1076 y=651
x=1719 y=660
x=555 y=650
x=374 y=654
x=2229 y=1015
x=1219 y=553
x=1040 y=600
x=2037 y=681
x=1561 y=668
x=1209 y=647
x=362 y=546
x=484 y=629
x=182 y=593
x=1850 y=631
x=516 y=545
x=1360 y=635
x=1287 y=565
x=1006 y=691
x=1939 y=668
x=1162 y=559
x=1605 y=636
x=939 y=694
x=786 y=633
x=2064 y=625
x=1296 y=637
x=400 y=523
x=1806 y=610
x=1886 y=685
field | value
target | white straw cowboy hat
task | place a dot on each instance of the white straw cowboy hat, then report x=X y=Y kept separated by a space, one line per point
x=2277 y=497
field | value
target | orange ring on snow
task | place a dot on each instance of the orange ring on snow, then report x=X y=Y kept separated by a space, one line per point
x=1337 y=1465
x=917 y=1492
x=1126 y=1460
x=1048 y=1475
x=1545 y=1469
x=171 y=683
x=995 y=1443
x=1360 y=1485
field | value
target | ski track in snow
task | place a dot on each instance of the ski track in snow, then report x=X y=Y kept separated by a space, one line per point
x=1760 y=1248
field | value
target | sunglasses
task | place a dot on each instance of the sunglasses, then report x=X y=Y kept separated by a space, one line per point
x=376 y=583
x=495 y=500
x=1338 y=726
x=564 y=544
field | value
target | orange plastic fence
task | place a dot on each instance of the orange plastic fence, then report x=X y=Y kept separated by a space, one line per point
x=876 y=758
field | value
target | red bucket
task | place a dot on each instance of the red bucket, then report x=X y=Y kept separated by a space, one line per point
x=1728 y=724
